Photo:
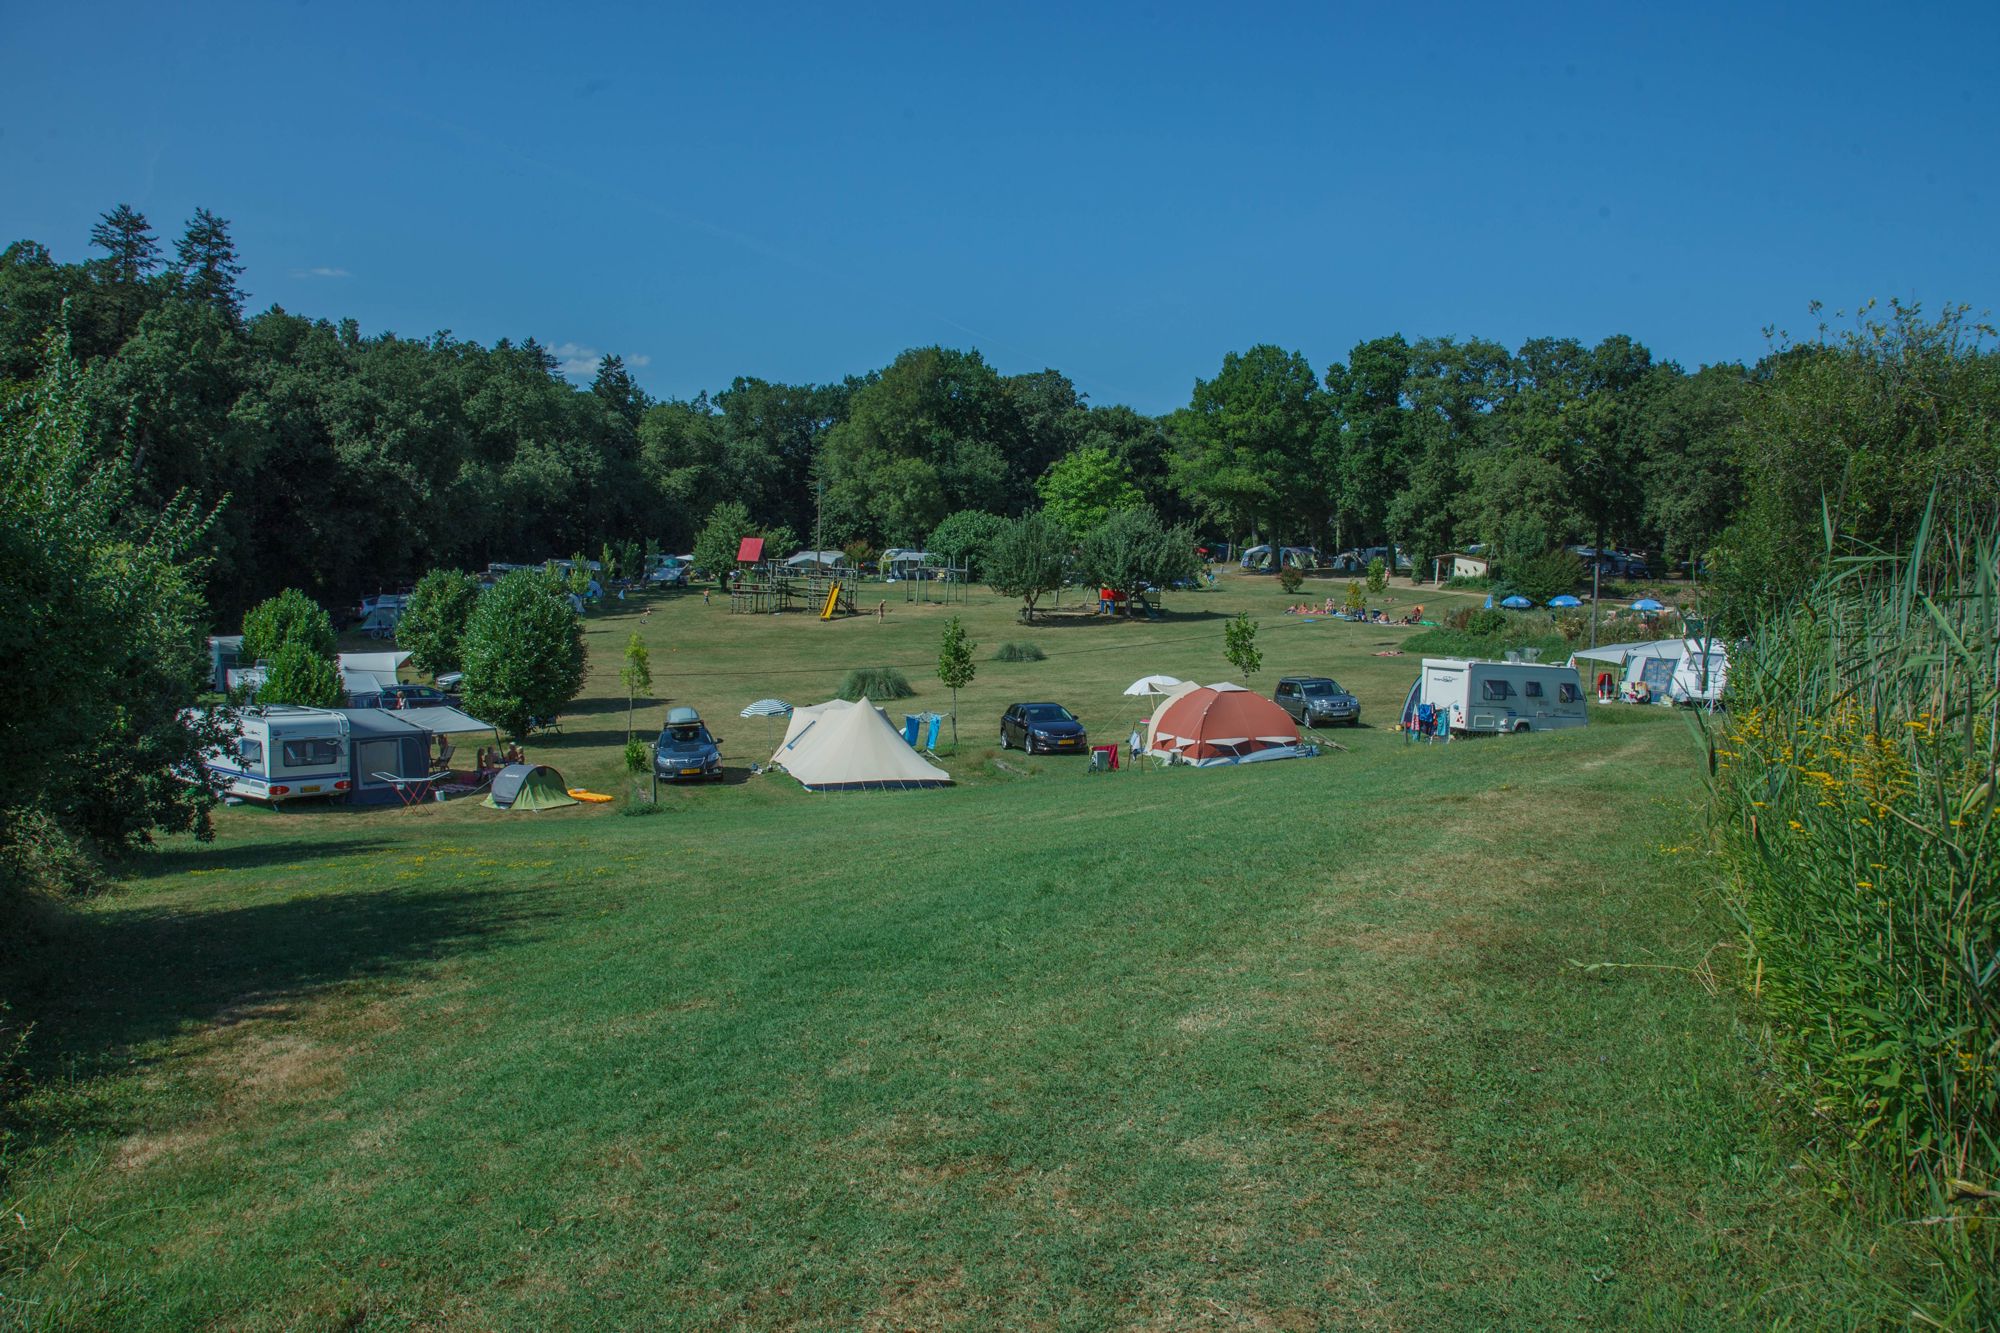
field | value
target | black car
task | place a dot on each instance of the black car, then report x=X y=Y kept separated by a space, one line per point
x=1043 y=728
x=685 y=752
x=1312 y=700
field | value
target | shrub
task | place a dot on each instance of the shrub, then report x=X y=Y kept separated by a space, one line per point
x=1357 y=600
x=1541 y=577
x=1853 y=805
x=875 y=683
x=1378 y=576
x=636 y=755
x=1019 y=652
x=1485 y=620
x=1291 y=578
x=290 y=617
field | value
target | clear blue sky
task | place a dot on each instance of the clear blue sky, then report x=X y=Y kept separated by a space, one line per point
x=1125 y=195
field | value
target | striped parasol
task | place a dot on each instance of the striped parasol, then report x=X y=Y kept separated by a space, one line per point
x=767 y=708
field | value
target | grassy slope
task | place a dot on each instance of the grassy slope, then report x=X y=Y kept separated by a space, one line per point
x=1285 y=1045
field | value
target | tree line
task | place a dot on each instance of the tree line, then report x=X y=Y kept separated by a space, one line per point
x=342 y=463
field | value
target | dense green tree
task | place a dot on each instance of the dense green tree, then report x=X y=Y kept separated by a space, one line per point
x=432 y=628
x=1374 y=440
x=720 y=537
x=205 y=264
x=1690 y=473
x=964 y=538
x=524 y=652
x=1028 y=559
x=298 y=675
x=1254 y=447
x=110 y=595
x=289 y=617
x=956 y=667
x=1084 y=488
x=1132 y=551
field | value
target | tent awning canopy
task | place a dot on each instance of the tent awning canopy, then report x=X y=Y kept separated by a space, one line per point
x=444 y=720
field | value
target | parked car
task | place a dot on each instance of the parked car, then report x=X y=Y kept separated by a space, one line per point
x=413 y=696
x=685 y=752
x=1314 y=700
x=1044 y=728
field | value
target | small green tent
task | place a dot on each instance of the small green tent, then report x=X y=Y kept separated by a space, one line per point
x=528 y=787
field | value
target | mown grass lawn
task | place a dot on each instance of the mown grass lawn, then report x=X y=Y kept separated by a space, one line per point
x=1297 y=1045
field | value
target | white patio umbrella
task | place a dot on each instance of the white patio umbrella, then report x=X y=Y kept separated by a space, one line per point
x=767 y=708
x=1152 y=685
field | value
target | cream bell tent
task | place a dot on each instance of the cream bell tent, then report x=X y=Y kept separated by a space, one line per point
x=1222 y=724
x=841 y=746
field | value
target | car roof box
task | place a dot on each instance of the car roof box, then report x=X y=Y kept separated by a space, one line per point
x=681 y=716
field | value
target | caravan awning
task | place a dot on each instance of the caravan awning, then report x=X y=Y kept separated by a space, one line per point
x=444 y=720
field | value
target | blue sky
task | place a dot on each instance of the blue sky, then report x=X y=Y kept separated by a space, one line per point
x=1124 y=195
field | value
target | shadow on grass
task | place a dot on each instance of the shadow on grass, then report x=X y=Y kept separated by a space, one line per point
x=214 y=856
x=108 y=983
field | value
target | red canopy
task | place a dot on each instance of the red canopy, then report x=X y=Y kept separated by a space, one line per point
x=1211 y=723
x=751 y=551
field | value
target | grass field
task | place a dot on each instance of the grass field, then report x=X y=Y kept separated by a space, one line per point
x=1293 y=1046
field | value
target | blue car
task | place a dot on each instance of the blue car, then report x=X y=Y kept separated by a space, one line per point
x=1043 y=728
x=685 y=752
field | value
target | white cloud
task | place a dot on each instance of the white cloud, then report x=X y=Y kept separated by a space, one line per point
x=580 y=361
x=321 y=272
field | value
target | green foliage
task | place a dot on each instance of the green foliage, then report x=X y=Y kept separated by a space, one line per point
x=1085 y=488
x=1849 y=435
x=1853 y=788
x=720 y=538
x=1027 y=559
x=1378 y=576
x=637 y=755
x=964 y=538
x=1257 y=445
x=1019 y=652
x=956 y=667
x=290 y=617
x=636 y=675
x=1291 y=578
x=524 y=653
x=298 y=675
x=876 y=683
x=1357 y=600
x=1133 y=551
x=1239 y=645
x=1514 y=635
x=103 y=641
x=1540 y=577
x=432 y=628
x=579 y=576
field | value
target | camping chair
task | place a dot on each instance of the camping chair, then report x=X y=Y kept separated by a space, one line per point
x=414 y=791
x=1135 y=749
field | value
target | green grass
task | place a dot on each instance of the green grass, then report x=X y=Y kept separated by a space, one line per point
x=1291 y=1046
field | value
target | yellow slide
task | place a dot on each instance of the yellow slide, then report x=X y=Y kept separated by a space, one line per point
x=832 y=601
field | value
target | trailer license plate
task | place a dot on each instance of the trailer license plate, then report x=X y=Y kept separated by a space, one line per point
x=314 y=787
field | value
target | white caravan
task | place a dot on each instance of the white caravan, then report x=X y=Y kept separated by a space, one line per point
x=282 y=752
x=1510 y=696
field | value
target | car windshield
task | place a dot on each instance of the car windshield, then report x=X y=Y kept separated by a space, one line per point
x=1318 y=688
x=1047 y=713
x=691 y=733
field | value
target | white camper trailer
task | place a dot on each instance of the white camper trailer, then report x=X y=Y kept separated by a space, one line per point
x=1700 y=674
x=283 y=752
x=1511 y=696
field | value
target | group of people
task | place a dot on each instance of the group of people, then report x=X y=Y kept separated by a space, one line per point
x=1366 y=617
x=493 y=758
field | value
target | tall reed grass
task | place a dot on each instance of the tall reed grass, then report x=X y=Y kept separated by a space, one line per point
x=1853 y=795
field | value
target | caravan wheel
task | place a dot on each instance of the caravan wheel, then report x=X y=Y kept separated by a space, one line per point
x=1520 y=727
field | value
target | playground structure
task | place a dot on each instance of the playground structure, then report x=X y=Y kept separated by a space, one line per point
x=770 y=590
x=937 y=584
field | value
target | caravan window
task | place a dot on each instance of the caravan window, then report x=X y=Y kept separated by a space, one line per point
x=1533 y=689
x=1569 y=694
x=305 y=753
x=249 y=751
x=1491 y=690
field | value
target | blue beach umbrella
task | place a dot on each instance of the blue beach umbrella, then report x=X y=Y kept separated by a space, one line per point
x=1564 y=600
x=1648 y=604
x=1517 y=603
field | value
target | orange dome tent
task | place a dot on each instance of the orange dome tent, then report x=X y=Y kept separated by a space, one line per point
x=1223 y=724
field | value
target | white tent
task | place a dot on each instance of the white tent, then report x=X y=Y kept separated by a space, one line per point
x=841 y=746
x=818 y=559
x=383 y=669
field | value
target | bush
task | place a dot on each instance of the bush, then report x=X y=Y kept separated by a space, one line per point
x=1482 y=620
x=636 y=755
x=876 y=683
x=1378 y=576
x=290 y=617
x=1541 y=577
x=1019 y=652
x=1291 y=578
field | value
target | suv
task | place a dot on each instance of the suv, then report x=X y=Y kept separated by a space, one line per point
x=685 y=751
x=1312 y=700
